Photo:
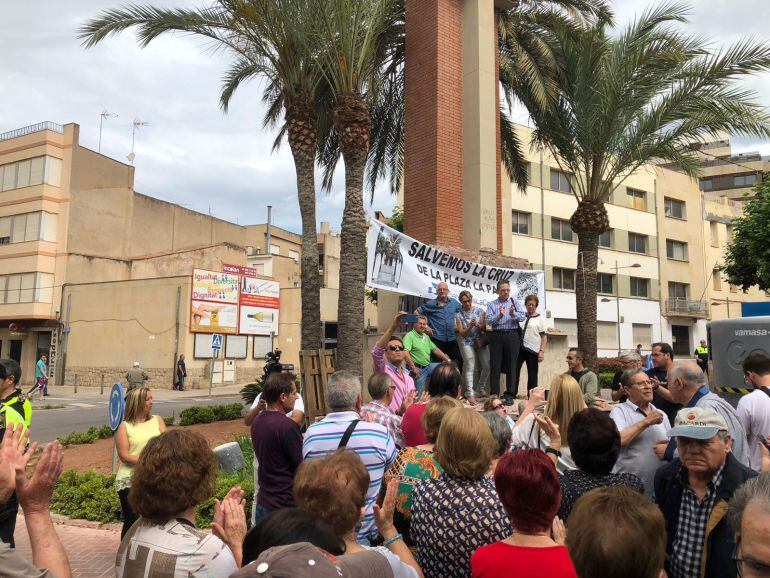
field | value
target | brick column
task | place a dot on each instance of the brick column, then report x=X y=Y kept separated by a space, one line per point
x=433 y=132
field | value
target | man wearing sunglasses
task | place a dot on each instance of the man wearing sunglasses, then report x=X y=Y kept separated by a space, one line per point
x=388 y=356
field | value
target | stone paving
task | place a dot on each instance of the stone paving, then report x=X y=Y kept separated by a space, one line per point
x=91 y=550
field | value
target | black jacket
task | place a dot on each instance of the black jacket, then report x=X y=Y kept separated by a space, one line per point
x=717 y=555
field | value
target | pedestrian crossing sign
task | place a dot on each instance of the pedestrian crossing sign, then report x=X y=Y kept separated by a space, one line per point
x=216 y=341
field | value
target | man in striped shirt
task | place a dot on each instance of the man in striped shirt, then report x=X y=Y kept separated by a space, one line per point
x=503 y=315
x=342 y=428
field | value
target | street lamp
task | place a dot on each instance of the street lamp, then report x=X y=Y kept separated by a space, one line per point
x=616 y=268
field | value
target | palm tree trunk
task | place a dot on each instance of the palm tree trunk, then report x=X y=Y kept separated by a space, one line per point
x=352 y=268
x=301 y=129
x=585 y=293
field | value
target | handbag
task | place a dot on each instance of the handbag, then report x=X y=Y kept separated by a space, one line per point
x=481 y=340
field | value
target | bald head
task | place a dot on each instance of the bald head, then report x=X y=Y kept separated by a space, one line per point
x=684 y=379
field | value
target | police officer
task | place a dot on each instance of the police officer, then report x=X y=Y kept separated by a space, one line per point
x=16 y=409
x=702 y=356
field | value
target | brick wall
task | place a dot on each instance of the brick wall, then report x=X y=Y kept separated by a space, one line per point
x=433 y=122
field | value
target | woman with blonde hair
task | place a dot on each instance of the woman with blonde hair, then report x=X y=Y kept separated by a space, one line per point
x=565 y=400
x=458 y=512
x=138 y=428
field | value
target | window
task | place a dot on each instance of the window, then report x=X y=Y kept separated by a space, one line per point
x=568 y=326
x=30 y=172
x=605 y=239
x=28 y=227
x=676 y=250
x=706 y=184
x=673 y=208
x=560 y=181
x=520 y=222
x=563 y=279
x=607 y=335
x=751 y=179
x=561 y=230
x=640 y=287
x=716 y=277
x=294 y=255
x=733 y=288
x=642 y=333
x=275 y=249
x=637 y=243
x=678 y=290
x=729 y=233
x=744 y=180
x=636 y=199
x=604 y=283
x=714 y=229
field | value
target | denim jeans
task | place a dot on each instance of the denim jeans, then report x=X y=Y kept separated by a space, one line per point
x=180 y=382
x=260 y=512
x=419 y=383
x=471 y=356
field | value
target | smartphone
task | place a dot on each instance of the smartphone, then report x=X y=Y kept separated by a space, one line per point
x=411 y=318
x=547 y=393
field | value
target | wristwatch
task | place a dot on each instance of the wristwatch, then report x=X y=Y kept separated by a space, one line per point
x=550 y=450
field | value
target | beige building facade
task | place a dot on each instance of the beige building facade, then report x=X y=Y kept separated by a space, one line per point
x=98 y=276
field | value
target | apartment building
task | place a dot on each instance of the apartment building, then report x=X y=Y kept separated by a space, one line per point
x=729 y=174
x=97 y=275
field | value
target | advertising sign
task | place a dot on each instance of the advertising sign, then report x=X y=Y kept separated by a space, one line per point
x=402 y=264
x=214 y=304
x=259 y=306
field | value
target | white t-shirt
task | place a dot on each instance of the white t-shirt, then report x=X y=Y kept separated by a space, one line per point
x=174 y=549
x=535 y=328
x=754 y=412
x=400 y=569
x=529 y=435
x=299 y=405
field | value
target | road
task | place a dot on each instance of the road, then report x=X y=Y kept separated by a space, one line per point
x=80 y=414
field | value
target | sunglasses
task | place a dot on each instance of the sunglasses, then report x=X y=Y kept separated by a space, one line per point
x=396 y=347
x=498 y=406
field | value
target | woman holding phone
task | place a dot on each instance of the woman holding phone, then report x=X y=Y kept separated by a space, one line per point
x=474 y=345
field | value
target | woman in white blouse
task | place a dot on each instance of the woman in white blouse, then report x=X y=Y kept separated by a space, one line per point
x=532 y=350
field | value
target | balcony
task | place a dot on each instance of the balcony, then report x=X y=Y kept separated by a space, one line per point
x=25 y=130
x=686 y=308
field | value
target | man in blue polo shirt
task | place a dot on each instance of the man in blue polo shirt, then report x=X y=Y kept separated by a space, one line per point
x=441 y=313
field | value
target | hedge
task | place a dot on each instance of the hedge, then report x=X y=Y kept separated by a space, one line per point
x=605 y=379
x=92 y=496
x=88 y=437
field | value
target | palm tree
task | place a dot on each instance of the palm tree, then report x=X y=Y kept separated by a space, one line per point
x=352 y=56
x=268 y=40
x=647 y=94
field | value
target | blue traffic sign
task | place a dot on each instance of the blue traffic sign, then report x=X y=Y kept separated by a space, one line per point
x=216 y=341
x=117 y=406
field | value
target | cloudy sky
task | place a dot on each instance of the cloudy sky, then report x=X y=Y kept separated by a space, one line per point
x=191 y=153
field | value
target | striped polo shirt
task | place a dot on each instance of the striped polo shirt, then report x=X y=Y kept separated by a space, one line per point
x=370 y=441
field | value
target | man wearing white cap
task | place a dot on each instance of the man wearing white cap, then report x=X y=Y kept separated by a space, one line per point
x=693 y=491
x=136 y=376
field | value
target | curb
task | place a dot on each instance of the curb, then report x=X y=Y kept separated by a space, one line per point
x=67 y=521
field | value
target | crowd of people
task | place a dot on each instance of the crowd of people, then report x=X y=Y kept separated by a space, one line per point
x=440 y=481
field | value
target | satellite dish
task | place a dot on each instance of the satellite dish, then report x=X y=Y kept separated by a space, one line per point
x=131 y=157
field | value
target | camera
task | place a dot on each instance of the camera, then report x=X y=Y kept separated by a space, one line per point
x=273 y=363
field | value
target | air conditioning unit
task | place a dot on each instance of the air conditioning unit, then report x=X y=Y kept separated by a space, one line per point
x=249 y=250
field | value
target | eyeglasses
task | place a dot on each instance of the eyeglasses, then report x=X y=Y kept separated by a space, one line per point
x=396 y=347
x=748 y=568
x=498 y=406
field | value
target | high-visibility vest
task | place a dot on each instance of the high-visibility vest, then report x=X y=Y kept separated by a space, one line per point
x=702 y=350
x=15 y=409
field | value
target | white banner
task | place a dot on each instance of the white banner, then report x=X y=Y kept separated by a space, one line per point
x=404 y=265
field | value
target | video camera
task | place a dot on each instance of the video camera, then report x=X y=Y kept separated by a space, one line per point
x=273 y=363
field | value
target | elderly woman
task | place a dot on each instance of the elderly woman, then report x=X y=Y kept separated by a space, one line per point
x=334 y=490
x=138 y=428
x=494 y=403
x=175 y=473
x=417 y=463
x=456 y=513
x=565 y=400
x=501 y=432
x=474 y=345
x=595 y=447
x=528 y=486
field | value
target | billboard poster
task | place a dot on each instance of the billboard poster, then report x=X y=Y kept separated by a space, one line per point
x=259 y=306
x=214 y=302
x=402 y=264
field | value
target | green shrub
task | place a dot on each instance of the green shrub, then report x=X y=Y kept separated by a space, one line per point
x=168 y=420
x=605 y=379
x=199 y=414
x=606 y=365
x=87 y=496
x=228 y=412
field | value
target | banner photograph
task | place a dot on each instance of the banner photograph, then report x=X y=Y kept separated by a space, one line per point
x=259 y=306
x=404 y=265
x=214 y=302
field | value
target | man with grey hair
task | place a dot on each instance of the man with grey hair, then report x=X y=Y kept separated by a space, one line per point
x=688 y=386
x=342 y=428
x=381 y=389
x=629 y=359
x=749 y=513
x=693 y=492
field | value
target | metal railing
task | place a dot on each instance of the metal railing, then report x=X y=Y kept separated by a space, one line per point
x=25 y=130
x=687 y=307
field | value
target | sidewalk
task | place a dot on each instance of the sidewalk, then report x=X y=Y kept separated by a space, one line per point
x=91 y=551
x=68 y=391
